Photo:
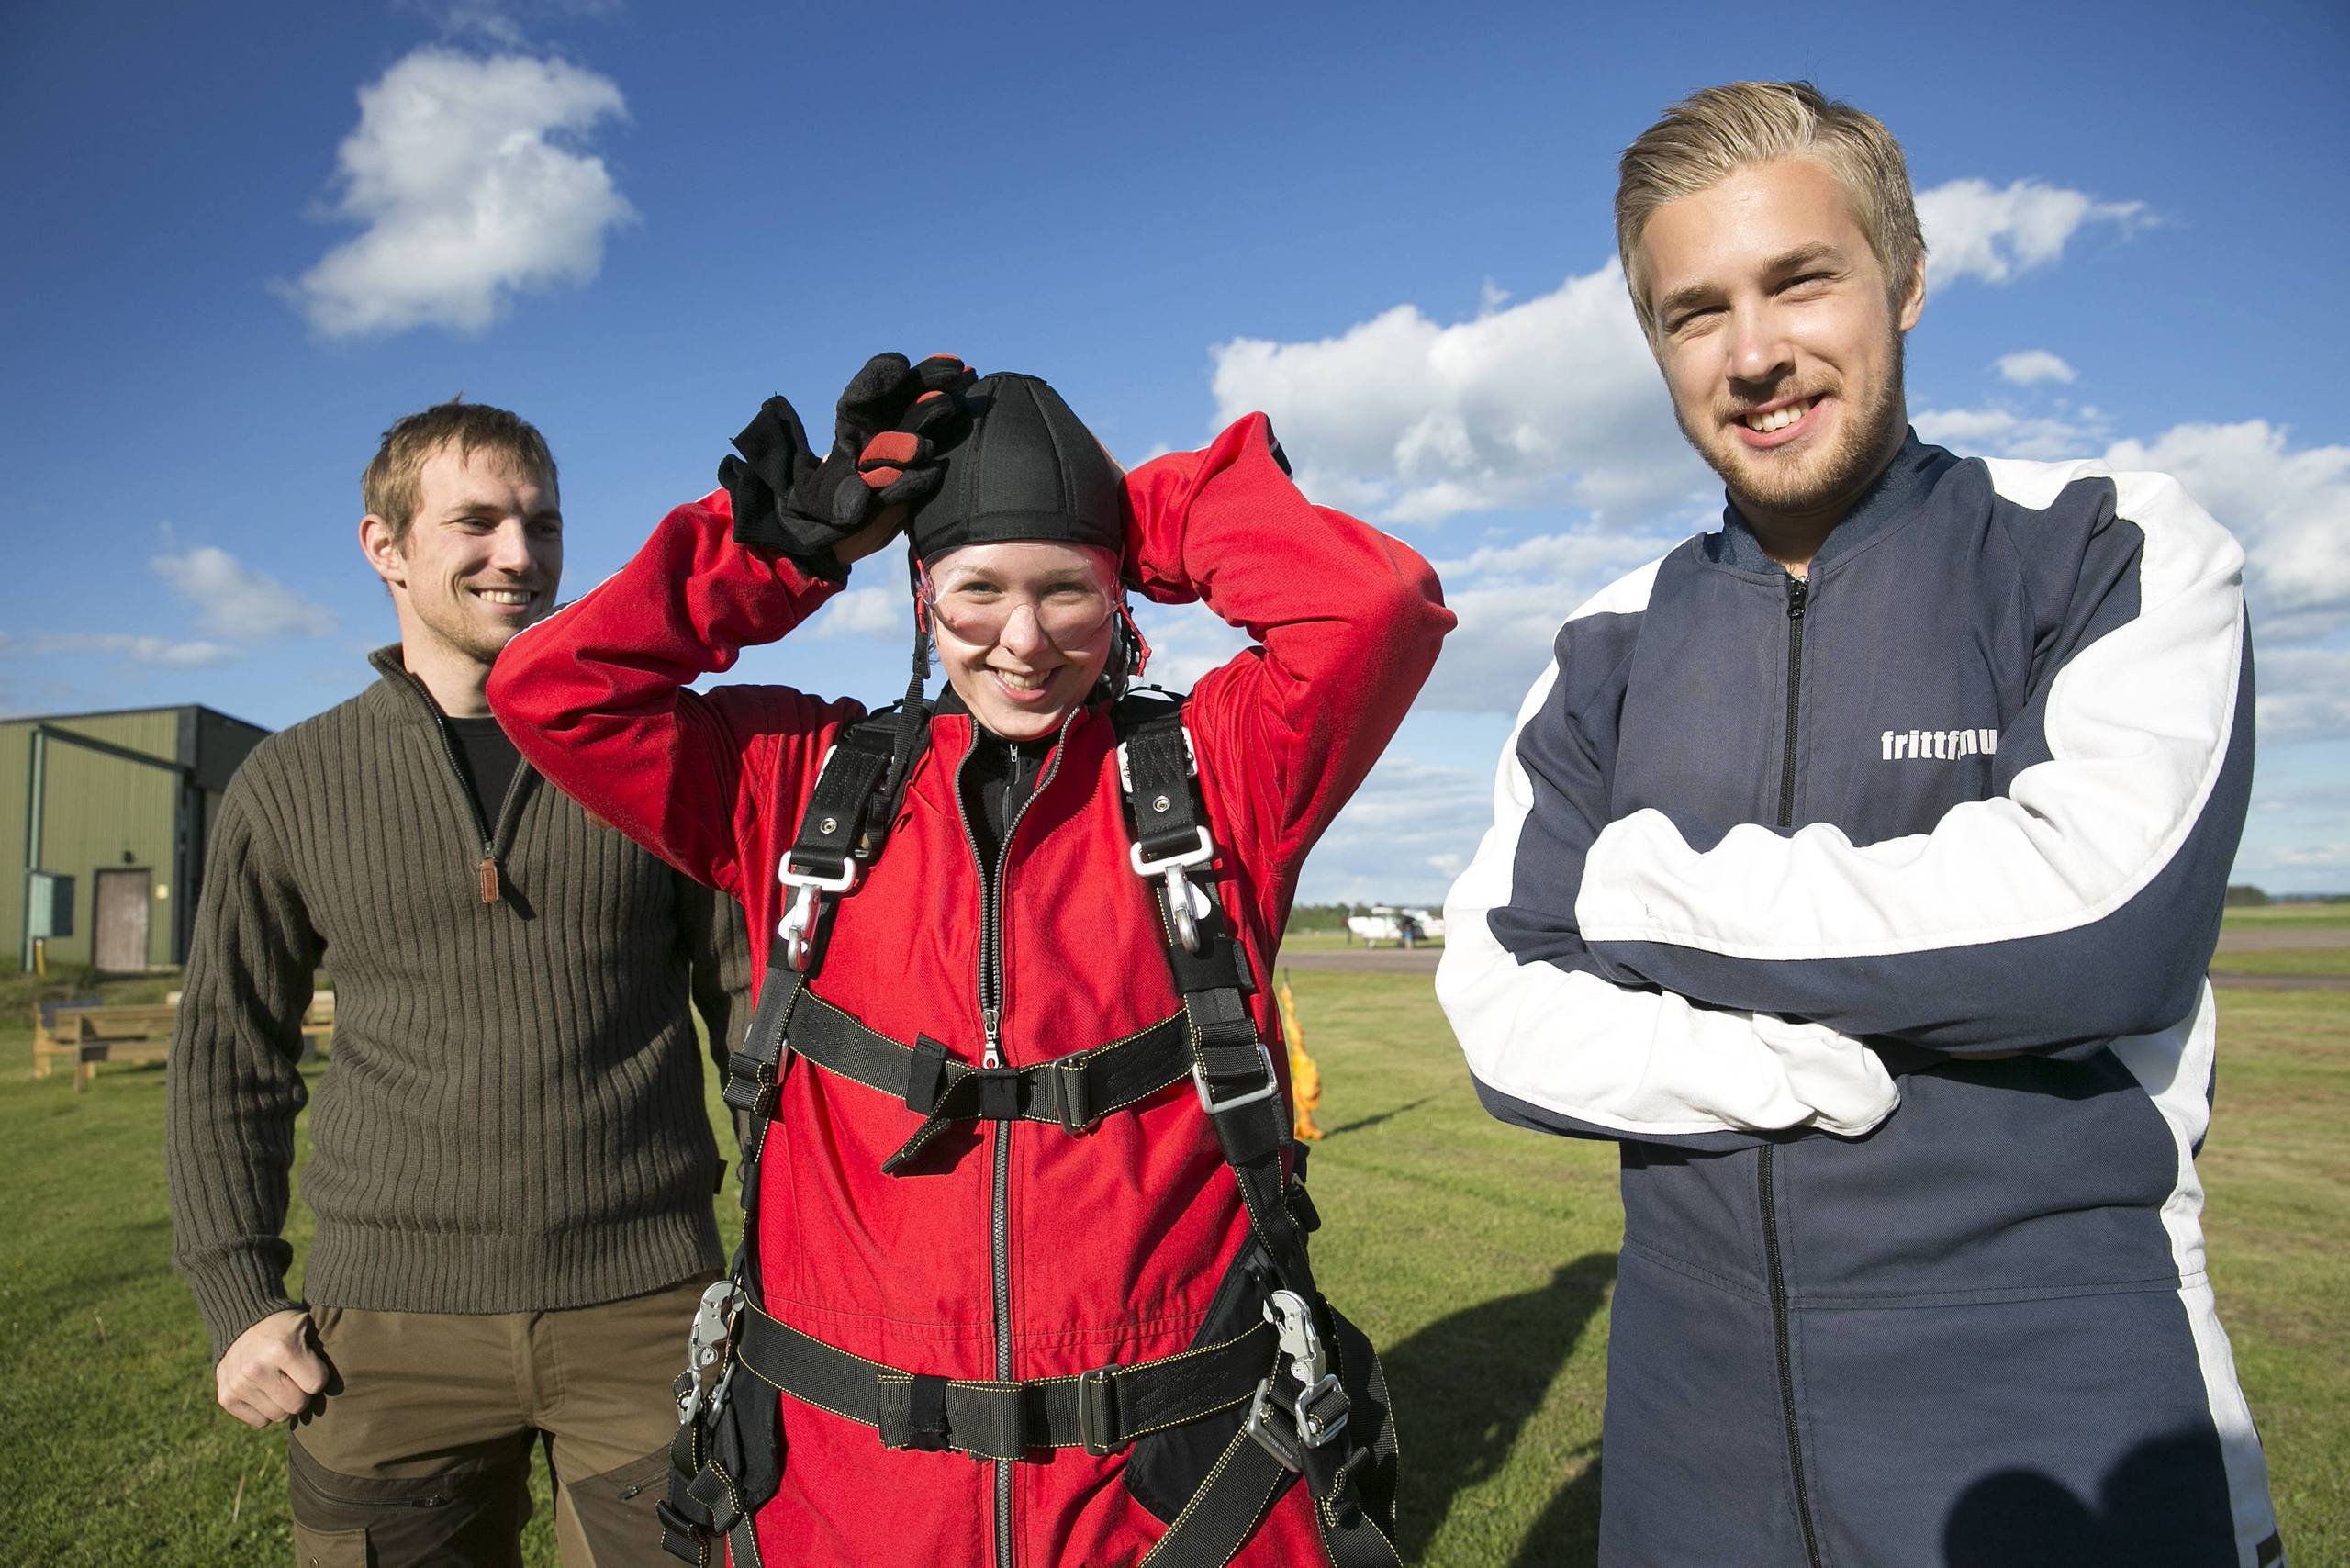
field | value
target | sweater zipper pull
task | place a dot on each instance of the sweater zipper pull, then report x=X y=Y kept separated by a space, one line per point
x=490 y=879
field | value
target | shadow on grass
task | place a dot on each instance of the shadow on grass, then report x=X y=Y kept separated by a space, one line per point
x=1465 y=1387
x=1362 y=1122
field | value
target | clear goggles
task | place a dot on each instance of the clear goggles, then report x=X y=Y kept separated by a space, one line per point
x=1070 y=606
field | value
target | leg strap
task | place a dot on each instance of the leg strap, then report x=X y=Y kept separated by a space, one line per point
x=1098 y=1411
x=1242 y=1488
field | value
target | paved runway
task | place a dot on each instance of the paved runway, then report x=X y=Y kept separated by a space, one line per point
x=2281 y=938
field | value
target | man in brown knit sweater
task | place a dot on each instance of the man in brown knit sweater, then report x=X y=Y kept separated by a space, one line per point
x=511 y=1163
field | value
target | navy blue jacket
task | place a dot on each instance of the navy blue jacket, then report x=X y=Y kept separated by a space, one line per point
x=1870 y=911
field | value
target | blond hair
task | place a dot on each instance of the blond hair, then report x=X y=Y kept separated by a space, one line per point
x=393 y=486
x=1715 y=131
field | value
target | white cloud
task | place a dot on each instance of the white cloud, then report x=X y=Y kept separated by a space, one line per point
x=2289 y=506
x=462 y=173
x=2003 y=432
x=866 y=612
x=1553 y=400
x=2028 y=368
x=233 y=601
x=2304 y=693
x=130 y=645
x=1511 y=600
x=1402 y=837
x=2291 y=509
x=2327 y=855
x=1186 y=641
x=496 y=21
x=1976 y=230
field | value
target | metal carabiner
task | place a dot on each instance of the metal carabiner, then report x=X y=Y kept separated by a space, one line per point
x=1309 y=1364
x=1181 y=918
x=706 y=1343
x=1293 y=1320
x=799 y=921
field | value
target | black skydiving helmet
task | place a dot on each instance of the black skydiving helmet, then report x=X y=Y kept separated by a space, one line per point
x=1028 y=468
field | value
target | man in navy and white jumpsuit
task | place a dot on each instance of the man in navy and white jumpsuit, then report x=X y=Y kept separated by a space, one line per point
x=1856 y=868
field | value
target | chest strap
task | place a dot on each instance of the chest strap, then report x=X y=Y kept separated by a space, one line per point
x=1074 y=1091
x=1098 y=1411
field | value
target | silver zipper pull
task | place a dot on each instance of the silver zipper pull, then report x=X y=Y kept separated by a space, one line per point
x=989 y=1018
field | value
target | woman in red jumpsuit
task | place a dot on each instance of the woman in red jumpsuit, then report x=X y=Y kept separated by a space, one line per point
x=1014 y=1288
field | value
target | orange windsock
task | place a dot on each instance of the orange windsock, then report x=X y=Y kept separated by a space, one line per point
x=1305 y=1078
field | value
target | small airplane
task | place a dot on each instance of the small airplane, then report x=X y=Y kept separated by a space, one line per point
x=1385 y=923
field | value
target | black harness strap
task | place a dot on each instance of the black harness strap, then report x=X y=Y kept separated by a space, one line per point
x=1168 y=818
x=1098 y=1411
x=721 y=1471
x=754 y=1068
x=1074 y=1091
x=834 y=827
x=1233 y=1068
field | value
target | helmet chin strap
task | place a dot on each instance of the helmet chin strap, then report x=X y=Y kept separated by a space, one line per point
x=914 y=714
x=1129 y=652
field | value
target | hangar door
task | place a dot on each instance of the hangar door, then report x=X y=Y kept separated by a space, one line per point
x=119 y=945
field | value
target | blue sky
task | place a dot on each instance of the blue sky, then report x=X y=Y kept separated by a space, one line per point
x=1388 y=226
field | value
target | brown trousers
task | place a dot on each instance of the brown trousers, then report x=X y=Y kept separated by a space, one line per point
x=420 y=1452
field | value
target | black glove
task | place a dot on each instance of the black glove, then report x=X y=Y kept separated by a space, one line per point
x=898 y=418
x=888 y=428
x=774 y=464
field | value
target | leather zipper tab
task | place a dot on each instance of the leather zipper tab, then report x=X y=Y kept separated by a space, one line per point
x=490 y=879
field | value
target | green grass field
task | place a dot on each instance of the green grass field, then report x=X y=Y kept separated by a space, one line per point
x=1478 y=1257
x=2289 y=914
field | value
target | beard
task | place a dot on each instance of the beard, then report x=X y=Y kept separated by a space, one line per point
x=460 y=633
x=1786 y=484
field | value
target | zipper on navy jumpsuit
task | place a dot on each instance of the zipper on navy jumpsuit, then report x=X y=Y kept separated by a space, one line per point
x=992 y=1020
x=1798 y=598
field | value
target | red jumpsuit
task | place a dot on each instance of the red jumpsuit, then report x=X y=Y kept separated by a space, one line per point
x=1113 y=1242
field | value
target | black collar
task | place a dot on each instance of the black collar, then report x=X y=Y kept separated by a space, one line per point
x=1890 y=497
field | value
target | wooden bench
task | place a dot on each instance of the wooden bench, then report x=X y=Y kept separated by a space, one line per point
x=88 y=1032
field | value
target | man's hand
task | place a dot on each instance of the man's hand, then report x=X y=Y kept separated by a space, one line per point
x=272 y=1371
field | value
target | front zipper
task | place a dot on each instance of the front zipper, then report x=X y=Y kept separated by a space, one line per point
x=992 y=1022
x=487 y=871
x=1798 y=600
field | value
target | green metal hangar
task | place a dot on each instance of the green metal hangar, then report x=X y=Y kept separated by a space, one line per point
x=104 y=818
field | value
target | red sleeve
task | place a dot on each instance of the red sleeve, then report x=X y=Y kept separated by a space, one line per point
x=1345 y=619
x=595 y=696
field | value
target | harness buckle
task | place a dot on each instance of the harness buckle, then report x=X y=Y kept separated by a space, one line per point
x=1097 y=1410
x=999 y=1091
x=1216 y=1107
x=1180 y=891
x=1263 y=1426
x=1322 y=1411
x=799 y=921
x=706 y=1343
x=1072 y=1100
